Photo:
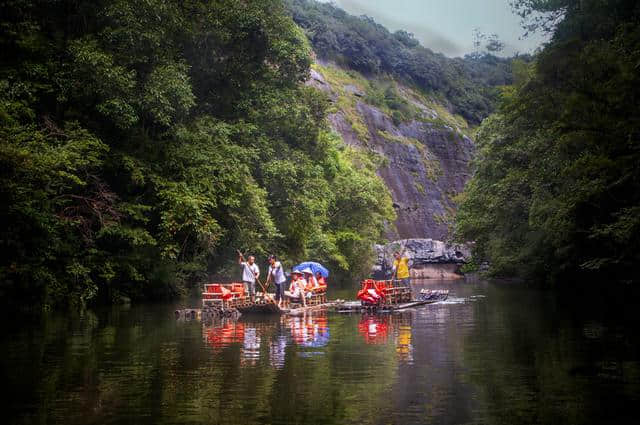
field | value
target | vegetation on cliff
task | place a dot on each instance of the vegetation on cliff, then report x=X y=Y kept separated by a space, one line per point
x=467 y=85
x=556 y=191
x=141 y=143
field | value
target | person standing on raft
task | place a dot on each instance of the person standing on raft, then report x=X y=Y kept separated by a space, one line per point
x=276 y=273
x=250 y=272
x=401 y=269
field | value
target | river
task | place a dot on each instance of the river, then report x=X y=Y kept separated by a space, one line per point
x=490 y=354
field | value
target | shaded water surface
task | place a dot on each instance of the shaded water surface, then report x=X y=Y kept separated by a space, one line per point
x=491 y=354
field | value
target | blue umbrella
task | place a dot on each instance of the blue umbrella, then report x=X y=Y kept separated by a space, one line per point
x=315 y=268
x=319 y=340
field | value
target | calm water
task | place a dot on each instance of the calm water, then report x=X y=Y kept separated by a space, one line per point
x=491 y=354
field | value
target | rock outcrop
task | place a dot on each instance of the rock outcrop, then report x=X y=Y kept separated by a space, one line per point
x=425 y=159
x=428 y=165
x=429 y=258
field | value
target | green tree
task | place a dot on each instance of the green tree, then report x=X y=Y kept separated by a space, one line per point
x=555 y=193
x=142 y=142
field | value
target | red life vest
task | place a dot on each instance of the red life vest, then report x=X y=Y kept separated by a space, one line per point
x=310 y=286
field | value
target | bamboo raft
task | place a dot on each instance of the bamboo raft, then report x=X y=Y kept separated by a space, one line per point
x=222 y=298
x=385 y=296
x=357 y=306
x=267 y=305
x=299 y=311
x=189 y=314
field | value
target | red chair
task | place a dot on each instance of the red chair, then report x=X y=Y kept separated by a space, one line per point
x=237 y=289
x=215 y=293
x=370 y=293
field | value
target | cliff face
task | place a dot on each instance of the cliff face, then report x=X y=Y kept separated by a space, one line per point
x=424 y=150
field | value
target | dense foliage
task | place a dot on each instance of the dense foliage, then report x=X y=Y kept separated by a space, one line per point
x=468 y=84
x=142 y=142
x=556 y=193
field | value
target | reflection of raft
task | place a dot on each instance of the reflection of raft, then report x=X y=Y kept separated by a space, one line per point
x=258 y=307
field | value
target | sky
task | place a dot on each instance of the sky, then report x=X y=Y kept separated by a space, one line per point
x=446 y=26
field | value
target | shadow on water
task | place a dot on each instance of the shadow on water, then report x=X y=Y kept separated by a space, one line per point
x=492 y=353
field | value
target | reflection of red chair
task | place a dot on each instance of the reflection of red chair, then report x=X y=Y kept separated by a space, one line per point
x=375 y=330
x=223 y=335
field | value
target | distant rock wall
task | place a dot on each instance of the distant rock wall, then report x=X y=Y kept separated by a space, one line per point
x=426 y=160
x=428 y=165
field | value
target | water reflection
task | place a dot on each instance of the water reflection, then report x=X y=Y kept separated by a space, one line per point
x=310 y=329
x=275 y=334
x=380 y=328
x=491 y=355
x=221 y=333
x=404 y=348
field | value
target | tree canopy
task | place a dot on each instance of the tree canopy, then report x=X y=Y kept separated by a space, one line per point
x=142 y=142
x=556 y=191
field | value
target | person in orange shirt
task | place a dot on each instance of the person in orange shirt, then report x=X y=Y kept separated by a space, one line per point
x=322 y=282
x=312 y=283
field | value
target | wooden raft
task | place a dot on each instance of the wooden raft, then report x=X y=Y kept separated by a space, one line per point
x=356 y=306
x=384 y=295
x=299 y=311
x=268 y=305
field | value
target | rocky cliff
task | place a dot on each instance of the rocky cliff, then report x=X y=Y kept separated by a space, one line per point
x=424 y=150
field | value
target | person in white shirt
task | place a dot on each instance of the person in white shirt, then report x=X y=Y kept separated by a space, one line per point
x=250 y=272
x=276 y=273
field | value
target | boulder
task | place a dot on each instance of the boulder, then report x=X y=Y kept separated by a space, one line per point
x=422 y=252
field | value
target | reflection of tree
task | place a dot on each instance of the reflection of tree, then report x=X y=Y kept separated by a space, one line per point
x=531 y=360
